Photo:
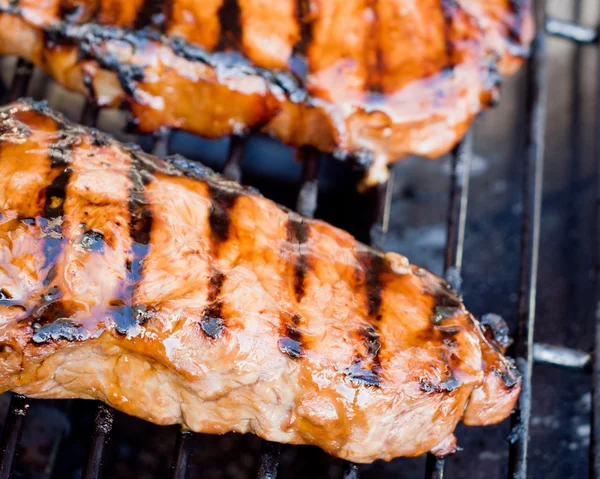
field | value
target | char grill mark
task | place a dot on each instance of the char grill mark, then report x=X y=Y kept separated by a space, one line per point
x=365 y=368
x=297 y=236
x=222 y=201
x=55 y=196
x=291 y=343
x=373 y=52
x=300 y=48
x=213 y=320
x=152 y=14
x=373 y=266
x=88 y=37
x=126 y=314
x=450 y=9
x=231 y=26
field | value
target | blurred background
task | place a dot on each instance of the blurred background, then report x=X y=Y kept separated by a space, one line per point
x=57 y=434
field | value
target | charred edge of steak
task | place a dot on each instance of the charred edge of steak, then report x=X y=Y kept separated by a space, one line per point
x=510 y=376
x=297 y=235
x=374 y=266
x=88 y=37
x=231 y=26
x=291 y=343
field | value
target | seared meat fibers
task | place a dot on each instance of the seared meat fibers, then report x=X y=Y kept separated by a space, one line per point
x=177 y=296
x=380 y=79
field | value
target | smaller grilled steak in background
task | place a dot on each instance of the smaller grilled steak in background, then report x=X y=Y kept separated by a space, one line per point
x=378 y=79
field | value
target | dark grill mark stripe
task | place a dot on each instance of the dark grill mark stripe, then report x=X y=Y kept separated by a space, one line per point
x=231 y=27
x=374 y=67
x=298 y=62
x=291 y=342
x=374 y=266
x=222 y=201
x=450 y=9
x=126 y=314
x=212 y=322
x=297 y=235
x=55 y=195
x=365 y=368
x=152 y=14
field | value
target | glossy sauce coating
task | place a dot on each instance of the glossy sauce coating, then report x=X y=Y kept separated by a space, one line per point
x=378 y=79
x=179 y=297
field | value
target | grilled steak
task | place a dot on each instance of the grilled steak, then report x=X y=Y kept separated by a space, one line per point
x=378 y=79
x=177 y=296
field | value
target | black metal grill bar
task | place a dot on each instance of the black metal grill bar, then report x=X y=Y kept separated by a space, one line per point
x=306 y=203
x=536 y=103
x=103 y=424
x=11 y=435
x=21 y=79
x=594 y=469
x=572 y=31
x=235 y=157
x=350 y=471
x=455 y=240
x=182 y=454
x=561 y=356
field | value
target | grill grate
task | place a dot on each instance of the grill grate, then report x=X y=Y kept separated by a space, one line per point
x=526 y=351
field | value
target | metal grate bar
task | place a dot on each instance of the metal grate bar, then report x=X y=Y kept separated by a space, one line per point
x=182 y=454
x=90 y=113
x=383 y=205
x=306 y=203
x=269 y=461
x=11 y=434
x=350 y=471
x=21 y=79
x=532 y=197
x=561 y=356
x=103 y=424
x=235 y=157
x=572 y=31
x=455 y=241
x=594 y=469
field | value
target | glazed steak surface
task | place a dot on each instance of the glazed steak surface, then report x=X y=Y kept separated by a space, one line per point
x=177 y=296
x=378 y=79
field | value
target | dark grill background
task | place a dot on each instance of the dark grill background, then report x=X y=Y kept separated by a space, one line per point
x=57 y=435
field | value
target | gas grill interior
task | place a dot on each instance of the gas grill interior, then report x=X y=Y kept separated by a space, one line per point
x=511 y=218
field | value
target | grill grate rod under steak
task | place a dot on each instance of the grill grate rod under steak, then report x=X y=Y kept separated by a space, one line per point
x=535 y=104
x=21 y=79
x=594 y=470
x=455 y=241
x=571 y=31
x=13 y=427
